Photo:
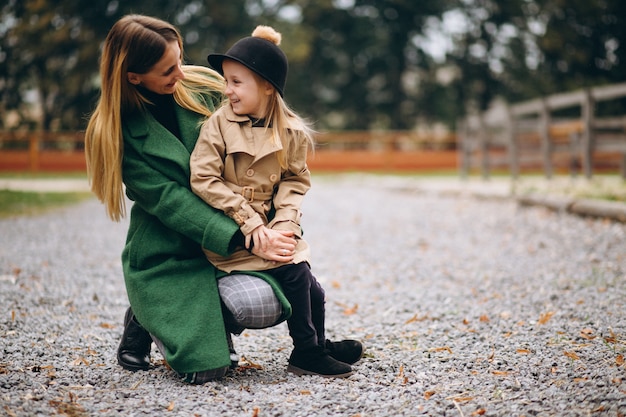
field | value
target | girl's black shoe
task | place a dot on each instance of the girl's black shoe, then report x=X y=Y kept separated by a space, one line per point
x=346 y=351
x=317 y=361
x=133 y=353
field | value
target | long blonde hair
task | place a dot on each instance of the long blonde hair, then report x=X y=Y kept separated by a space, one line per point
x=135 y=43
x=286 y=124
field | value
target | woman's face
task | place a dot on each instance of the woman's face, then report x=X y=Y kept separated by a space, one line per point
x=163 y=75
x=248 y=94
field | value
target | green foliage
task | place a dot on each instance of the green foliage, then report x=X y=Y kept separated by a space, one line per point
x=354 y=64
x=14 y=203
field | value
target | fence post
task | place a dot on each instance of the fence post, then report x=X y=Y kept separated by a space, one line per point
x=587 y=136
x=462 y=146
x=546 y=140
x=33 y=151
x=484 y=139
x=509 y=129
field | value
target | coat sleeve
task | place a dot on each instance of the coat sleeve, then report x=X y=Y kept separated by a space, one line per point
x=294 y=184
x=207 y=177
x=153 y=186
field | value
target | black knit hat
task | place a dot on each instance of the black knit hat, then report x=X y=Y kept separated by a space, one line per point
x=260 y=53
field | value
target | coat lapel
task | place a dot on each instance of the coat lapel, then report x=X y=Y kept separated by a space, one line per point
x=159 y=142
x=256 y=142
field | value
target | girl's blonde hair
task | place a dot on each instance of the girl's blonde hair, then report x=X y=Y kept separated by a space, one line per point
x=284 y=123
x=135 y=43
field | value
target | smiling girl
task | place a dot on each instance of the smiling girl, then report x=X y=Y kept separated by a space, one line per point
x=250 y=162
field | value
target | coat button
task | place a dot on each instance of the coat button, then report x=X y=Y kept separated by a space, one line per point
x=250 y=172
x=273 y=177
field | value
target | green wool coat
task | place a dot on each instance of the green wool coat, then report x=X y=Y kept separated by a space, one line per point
x=170 y=284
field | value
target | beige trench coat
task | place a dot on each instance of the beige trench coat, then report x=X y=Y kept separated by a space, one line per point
x=235 y=168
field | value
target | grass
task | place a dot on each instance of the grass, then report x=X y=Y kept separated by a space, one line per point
x=604 y=187
x=26 y=203
x=600 y=187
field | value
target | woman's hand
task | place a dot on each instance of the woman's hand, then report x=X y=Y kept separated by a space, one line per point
x=276 y=245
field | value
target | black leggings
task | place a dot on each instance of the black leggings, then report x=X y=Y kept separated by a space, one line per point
x=307 y=299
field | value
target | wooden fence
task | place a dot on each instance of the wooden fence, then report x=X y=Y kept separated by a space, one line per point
x=335 y=151
x=533 y=135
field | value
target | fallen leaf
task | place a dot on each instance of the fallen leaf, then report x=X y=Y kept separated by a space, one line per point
x=107 y=326
x=351 y=310
x=80 y=360
x=305 y=392
x=587 y=333
x=428 y=394
x=612 y=338
x=571 y=355
x=500 y=373
x=479 y=412
x=619 y=361
x=255 y=412
x=246 y=363
x=441 y=349
x=170 y=407
x=335 y=284
x=462 y=399
x=416 y=318
x=545 y=317
x=484 y=318
x=523 y=351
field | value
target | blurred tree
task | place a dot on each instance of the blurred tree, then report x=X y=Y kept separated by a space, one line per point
x=582 y=42
x=521 y=49
x=49 y=52
x=354 y=64
x=362 y=67
x=47 y=60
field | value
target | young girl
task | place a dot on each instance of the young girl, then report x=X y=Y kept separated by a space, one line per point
x=250 y=162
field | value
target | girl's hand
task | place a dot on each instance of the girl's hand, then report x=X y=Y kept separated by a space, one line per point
x=277 y=245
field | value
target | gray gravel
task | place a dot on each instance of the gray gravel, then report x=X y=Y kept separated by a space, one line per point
x=467 y=306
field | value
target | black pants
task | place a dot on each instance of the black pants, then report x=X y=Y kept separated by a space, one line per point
x=307 y=299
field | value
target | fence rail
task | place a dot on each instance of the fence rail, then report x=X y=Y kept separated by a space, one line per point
x=531 y=134
x=335 y=151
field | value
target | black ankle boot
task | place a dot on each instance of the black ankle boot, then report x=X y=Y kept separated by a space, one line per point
x=317 y=361
x=346 y=351
x=133 y=354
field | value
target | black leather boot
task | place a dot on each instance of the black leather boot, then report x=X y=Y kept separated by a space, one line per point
x=317 y=361
x=346 y=351
x=133 y=354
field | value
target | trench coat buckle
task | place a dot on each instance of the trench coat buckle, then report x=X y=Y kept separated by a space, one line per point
x=248 y=193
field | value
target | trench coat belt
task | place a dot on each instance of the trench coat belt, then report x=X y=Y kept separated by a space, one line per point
x=250 y=194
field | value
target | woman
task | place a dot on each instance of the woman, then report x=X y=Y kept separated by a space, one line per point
x=140 y=137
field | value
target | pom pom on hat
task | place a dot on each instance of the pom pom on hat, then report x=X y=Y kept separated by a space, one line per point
x=268 y=33
x=260 y=53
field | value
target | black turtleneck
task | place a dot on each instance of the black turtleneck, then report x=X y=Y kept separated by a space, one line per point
x=163 y=109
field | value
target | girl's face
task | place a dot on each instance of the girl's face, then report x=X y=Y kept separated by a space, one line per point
x=163 y=76
x=247 y=92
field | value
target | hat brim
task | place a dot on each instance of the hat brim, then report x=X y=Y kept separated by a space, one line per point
x=216 y=61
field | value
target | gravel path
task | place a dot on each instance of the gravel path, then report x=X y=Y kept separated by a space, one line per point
x=467 y=306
